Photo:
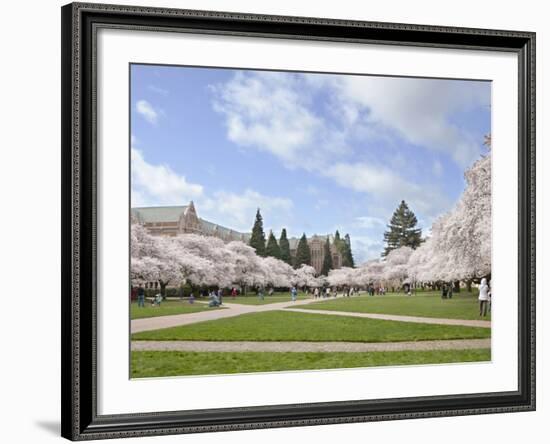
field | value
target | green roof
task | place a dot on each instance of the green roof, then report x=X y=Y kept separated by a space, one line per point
x=158 y=214
x=173 y=214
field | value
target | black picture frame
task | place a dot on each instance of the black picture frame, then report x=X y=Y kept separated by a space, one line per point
x=80 y=420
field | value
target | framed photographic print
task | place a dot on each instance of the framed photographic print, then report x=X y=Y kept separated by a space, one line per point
x=280 y=221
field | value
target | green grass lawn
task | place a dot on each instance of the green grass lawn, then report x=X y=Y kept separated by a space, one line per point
x=463 y=305
x=173 y=363
x=166 y=308
x=252 y=299
x=291 y=326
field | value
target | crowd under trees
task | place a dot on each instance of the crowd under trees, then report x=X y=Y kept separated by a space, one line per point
x=458 y=249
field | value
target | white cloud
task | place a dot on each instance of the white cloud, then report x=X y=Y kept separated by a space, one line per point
x=369 y=222
x=277 y=112
x=437 y=168
x=144 y=108
x=311 y=190
x=365 y=248
x=420 y=110
x=282 y=114
x=239 y=210
x=272 y=112
x=158 y=90
x=387 y=186
x=154 y=185
x=159 y=184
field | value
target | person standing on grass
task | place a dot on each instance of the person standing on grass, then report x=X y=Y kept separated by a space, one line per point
x=141 y=296
x=316 y=293
x=293 y=294
x=483 y=297
x=234 y=293
x=220 y=295
x=157 y=300
x=444 y=291
x=490 y=296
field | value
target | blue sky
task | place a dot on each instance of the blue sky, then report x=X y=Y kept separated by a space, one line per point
x=315 y=152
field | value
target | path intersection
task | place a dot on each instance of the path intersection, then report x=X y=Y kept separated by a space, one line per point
x=234 y=309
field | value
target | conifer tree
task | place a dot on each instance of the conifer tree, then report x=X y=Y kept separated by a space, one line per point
x=402 y=231
x=303 y=253
x=347 y=256
x=327 y=260
x=344 y=247
x=257 y=240
x=284 y=246
x=272 y=249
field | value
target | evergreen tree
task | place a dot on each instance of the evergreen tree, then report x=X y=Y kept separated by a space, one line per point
x=285 y=248
x=344 y=247
x=327 y=260
x=303 y=253
x=337 y=239
x=347 y=256
x=272 y=249
x=402 y=231
x=257 y=240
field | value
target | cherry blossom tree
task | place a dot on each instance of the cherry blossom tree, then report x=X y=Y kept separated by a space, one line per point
x=459 y=247
x=277 y=273
x=248 y=270
x=305 y=277
x=342 y=277
x=396 y=265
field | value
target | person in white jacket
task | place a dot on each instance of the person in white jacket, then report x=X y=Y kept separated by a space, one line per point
x=483 y=297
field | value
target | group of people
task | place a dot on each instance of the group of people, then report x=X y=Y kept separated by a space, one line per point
x=381 y=291
x=447 y=291
x=324 y=292
x=216 y=296
x=140 y=293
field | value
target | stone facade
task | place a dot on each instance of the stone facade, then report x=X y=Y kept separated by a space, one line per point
x=174 y=220
x=317 y=247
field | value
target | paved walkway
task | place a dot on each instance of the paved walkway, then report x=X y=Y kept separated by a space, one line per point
x=400 y=318
x=230 y=310
x=349 y=347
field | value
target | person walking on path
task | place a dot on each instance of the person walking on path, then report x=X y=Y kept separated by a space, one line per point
x=293 y=294
x=483 y=297
x=141 y=296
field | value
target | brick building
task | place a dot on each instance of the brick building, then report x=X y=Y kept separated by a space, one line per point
x=174 y=220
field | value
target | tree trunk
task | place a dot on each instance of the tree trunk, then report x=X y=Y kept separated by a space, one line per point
x=456 y=288
x=469 y=285
x=163 y=290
